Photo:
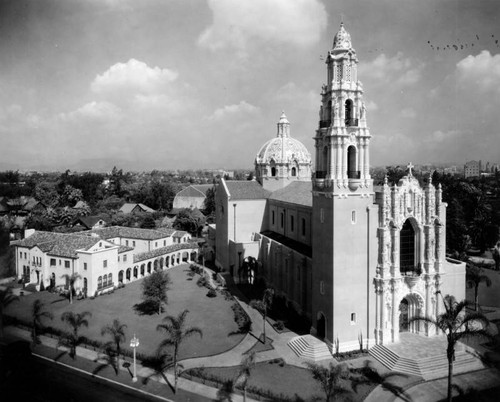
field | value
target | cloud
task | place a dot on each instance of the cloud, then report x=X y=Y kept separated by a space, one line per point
x=398 y=69
x=93 y=111
x=133 y=76
x=481 y=72
x=235 y=23
x=242 y=108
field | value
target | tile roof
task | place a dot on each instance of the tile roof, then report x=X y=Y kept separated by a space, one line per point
x=290 y=243
x=179 y=233
x=88 y=221
x=127 y=208
x=163 y=250
x=133 y=233
x=297 y=192
x=58 y=244
x=246 y=190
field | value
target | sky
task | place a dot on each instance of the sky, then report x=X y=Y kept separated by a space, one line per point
x=188 y=84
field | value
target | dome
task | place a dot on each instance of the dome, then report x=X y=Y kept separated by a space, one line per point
x=342 y=39
x=283 y=149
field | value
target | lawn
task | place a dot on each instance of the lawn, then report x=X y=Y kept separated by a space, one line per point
x=290 y=382
x=212 y=315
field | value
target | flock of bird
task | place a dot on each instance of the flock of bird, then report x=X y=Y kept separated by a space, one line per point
x=460 y=46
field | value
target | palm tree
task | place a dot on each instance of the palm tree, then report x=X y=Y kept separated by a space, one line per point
x=247 y=364
x=457 y=323
x=176 y=332
x=474 y=277
x=75 y=321
x=37 y=313
x=6 y=298
x=117 y=333
x=71 y=279
x=262 y=306
x=330 y=378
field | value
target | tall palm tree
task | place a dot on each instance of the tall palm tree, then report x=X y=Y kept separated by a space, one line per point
x=71 y=279
x=330 y=378
x=262 y=306
x=74 y=321
x=475 y=276
x=37 y=313
x=117 y=332
x=176 y=332
x=6 y=298
x=247 y=364
x=457 y=323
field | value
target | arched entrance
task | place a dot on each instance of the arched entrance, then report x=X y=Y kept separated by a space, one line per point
x=120 y=277
x=321 y=326
x=412 y=305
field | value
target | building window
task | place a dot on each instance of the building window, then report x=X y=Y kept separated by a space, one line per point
x=273 y=171
x=105 y=264
x=292 y=223
x=104 y=281
x=322 y=287
x=85 y=266
x=298 y=273
x=322 y=215
x=133 y=243
x=125 y=258
x=294 y=172
x=164 y=243
x=353 y=318
x=353 y=217
x=53 y=262
x=126 y=243
x=272 y=217
x=66 y=264
x=110 y=279
x=60 y=263
x=282 y=220
x=99 y=282
x=303 y=227
x=100 y=244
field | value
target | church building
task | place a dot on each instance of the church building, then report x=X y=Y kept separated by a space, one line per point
x=357 y=260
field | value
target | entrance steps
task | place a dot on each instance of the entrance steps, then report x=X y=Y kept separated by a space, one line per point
x=310 y=347
x=429 y=367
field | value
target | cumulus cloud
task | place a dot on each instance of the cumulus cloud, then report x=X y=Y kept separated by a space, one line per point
x=398 y=69
x=235 y=23
x=242 y=108
x=481 y=72
x=133 y=76
x=93 y=111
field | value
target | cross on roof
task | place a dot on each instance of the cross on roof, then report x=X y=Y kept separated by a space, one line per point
x=410 y=166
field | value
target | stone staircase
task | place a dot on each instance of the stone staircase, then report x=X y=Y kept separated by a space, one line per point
x=309 y=347
x=428 y=368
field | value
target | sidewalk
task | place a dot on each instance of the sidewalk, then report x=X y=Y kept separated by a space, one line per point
x=187 y=385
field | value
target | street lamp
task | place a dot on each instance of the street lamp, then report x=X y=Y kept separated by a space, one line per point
x=134 y=343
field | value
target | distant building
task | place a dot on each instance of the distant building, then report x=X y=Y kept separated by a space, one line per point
x=472 y=169
x=191 y=197
x=130 y=208
x=103 y=257
x=90 y=222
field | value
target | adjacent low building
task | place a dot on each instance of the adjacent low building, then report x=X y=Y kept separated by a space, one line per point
x=102 y=257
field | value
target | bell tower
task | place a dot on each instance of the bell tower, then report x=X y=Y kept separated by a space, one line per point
x=344 y=216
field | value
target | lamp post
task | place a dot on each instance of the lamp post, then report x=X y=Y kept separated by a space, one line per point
x=134 y=343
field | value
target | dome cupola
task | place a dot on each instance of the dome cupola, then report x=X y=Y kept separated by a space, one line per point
x=282 y=159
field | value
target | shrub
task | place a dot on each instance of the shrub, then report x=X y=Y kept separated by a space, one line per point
x=211 y=293
x=241 y=318
x=202 y=281
x=279 y=325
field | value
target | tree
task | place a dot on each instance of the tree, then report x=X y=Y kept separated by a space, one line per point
x=330 y=378
x=262 y=305
x=475 y=276
x=6 y=298
x=176 y=332
x=117 y=332
x=247 y=364
x=457 y=323
x=70 y=281
x=209 y=203
x=154 y=289
x=37 y=313
x=75 y=321
x=496 y=256
x=185 y=220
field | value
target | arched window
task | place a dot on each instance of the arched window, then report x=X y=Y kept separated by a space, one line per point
x=349 y=121
x=294 y=172
x=352 y=173
x=110 y=279
x=99 y=282
x=273 y=171
x=407 y=260
x=105 y=281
